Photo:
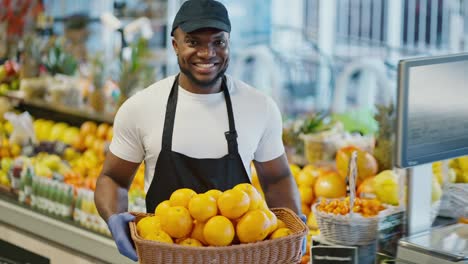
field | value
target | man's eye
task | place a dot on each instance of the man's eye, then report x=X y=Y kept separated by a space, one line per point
x=191 y=42
x=220 y=43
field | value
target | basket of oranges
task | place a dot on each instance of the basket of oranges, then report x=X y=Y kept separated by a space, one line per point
x=349 y=221
x=234 y=226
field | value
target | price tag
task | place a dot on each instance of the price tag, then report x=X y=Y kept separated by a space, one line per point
x=322 y=254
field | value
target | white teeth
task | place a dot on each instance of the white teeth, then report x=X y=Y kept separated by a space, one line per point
x=205 y=65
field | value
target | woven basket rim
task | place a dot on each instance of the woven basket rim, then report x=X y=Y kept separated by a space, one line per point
x=268 y=242
x=361 y=220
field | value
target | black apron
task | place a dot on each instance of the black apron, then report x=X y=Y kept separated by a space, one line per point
x=175 y=170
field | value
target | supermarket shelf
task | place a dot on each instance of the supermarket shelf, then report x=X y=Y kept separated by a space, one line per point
x=67 y=235
x=58 y=112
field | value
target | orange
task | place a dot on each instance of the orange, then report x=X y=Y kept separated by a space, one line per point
x=160 y=236
x=202 y=207
x=256 y=184
x=254 y=195
x=191 y=242
x=88 y=128
x=148 y=225
x=253 y=226
x=295 y=170
x=307 y=177
x=366 y=163
x=214 y=193
x=312 y=221
x=233 y=203
x=162 y=207
x=110 y=133
x=101 y=131
x=218 y=231
x=306 y=193
x=89 y=140
x=181 y=197
x=305 y=209
x=177 y=222
x=197 y=232
x=330 y=185
x=366 y=189
x=281 y=232
x=280 y=224
x=273 y=220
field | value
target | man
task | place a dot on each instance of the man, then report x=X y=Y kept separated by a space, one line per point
x=200 y=129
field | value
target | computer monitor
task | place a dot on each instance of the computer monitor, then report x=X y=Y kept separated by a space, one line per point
x=432 y=125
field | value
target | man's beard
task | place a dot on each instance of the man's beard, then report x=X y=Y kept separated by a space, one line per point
x=202 y=84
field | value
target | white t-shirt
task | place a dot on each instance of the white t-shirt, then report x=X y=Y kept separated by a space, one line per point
x=199 y=126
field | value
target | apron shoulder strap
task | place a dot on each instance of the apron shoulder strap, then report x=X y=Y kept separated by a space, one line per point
x=231 y=135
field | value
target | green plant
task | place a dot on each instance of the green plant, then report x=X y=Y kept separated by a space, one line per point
x=385 y=138
x=60 y=62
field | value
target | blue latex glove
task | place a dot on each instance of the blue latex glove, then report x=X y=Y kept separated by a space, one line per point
x=118 y=226
x=304 y=240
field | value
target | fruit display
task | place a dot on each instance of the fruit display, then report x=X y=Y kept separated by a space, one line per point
x=9 y=77
x=214 y=218
x=364 y=207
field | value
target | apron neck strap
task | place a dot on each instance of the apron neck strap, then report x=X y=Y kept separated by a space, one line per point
x=231 y=135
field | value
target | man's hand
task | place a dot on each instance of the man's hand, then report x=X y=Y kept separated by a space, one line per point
x=118 y=226
x=304 y=240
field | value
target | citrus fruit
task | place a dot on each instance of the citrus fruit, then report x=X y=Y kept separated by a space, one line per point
x=197 y=232
x=366 y=188
x=233 y=203
x=218 y=231
x=254 y=195
x=307 y=177
x=281 y=232
x=162 y=207
x=147 y=225
x=330 y=185
x=202 y=207
x=177 y=222
x=280 y=224
x=305 y=208
x=366 y=163
x=214 y=193
x=191 y=242
x=306 y=194
x=253 y=226
x=273 y=220
x=160 y=236
x=181 y=197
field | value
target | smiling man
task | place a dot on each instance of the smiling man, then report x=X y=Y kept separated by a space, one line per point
x=200 y=129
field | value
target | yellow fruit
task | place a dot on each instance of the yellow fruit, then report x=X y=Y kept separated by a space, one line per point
x=88 y=128
x=386 y=187
x=160 y=236
x=214 y=193
x=233 y=203
x=295 y=170
x=191 y=242
x=148 y=225
x=312 y=221
x=306 y=194
x=366 y=163
x=254 y=195
x=281 y=224
x=307 y=177
x=273 y=220
x=305 y=209
x=101 y=131
x=181 y=197
x=177 y=222
x=218 y=231
x=253 y=226
x=330 y=185
x=162 y=207
x=15 y=150
x=202 y=207
x=197 y=232
x=281 y=232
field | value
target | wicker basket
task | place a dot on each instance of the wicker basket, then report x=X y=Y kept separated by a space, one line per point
x=347 y=230
x=454 y=199
x=281 y=250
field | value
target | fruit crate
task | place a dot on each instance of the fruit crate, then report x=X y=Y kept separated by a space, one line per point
x=280 y=250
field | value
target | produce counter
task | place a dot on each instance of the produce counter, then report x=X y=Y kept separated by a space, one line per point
x=65 y=237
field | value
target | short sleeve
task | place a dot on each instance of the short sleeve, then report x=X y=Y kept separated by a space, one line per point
x=271 y=143
x=126 y=142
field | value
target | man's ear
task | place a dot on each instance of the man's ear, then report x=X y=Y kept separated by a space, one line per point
x=175 y=46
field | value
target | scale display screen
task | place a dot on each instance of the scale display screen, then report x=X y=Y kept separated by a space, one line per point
x=432 y=109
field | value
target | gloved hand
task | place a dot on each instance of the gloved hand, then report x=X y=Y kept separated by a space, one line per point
x=304 y=240
x=118 y=226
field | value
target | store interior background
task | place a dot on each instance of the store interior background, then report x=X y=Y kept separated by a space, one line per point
x=309 y=55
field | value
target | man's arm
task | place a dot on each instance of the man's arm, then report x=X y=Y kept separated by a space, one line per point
x=278 y=184
x=111 y=195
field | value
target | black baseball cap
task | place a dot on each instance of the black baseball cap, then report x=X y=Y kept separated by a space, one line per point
x=197 y=14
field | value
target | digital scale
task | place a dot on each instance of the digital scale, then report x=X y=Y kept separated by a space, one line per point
x=443 y=245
